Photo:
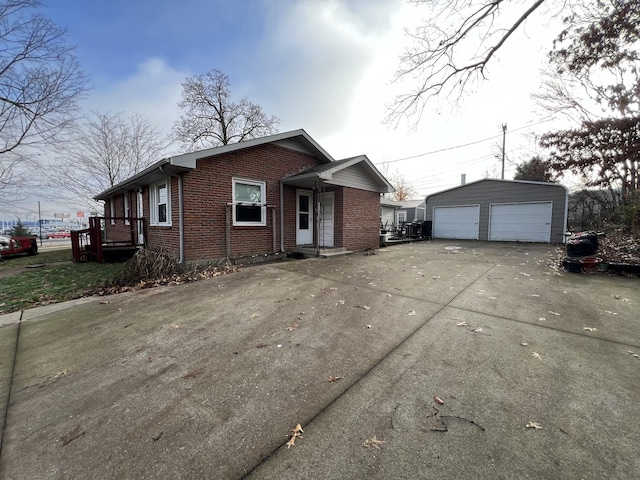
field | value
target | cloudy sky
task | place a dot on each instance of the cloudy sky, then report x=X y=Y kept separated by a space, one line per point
x=322 y=65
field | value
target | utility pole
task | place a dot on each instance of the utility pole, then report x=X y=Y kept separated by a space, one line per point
x=504 y=135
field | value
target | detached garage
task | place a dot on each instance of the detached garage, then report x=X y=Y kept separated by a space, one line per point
x=500 y=210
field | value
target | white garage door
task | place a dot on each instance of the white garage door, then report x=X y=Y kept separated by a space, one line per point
x=520 y=222
x=456 y=222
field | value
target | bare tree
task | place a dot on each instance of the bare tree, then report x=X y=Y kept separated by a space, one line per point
x=212 y=118
x=104 y=151
x=404 y=189
x=40 y=86
x=454 y=47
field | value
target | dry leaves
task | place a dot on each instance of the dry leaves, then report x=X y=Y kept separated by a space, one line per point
x=537 y=355
x=333 y=379
x=590 y=329
x=461 y=324
x=295 y=433
x=534 y=425
x=193 y=374
x=292 y=327
x=438 y=400
x=373 y=443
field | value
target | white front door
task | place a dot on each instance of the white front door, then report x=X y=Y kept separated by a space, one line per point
x=304 y=217
x=326 y=220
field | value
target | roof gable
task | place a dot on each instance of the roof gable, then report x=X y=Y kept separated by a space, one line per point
x=356 y=172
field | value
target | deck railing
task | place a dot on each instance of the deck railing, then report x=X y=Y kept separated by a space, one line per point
x=104 y=234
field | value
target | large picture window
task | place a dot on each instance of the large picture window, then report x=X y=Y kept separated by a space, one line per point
x=249 y=205
x=160 y=203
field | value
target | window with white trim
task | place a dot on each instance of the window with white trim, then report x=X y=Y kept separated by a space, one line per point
x=249 y=202
x=402 y=217
x=160 y=203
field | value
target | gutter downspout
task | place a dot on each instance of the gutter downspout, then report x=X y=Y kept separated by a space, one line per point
x=180 y=213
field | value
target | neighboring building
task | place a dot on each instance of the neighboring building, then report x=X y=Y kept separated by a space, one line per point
x=388 y=214
x=255 y=198
x=500 y=210
x=410 y=210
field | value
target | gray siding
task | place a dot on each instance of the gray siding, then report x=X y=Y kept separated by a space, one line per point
x=356 y=176
x=486 y=192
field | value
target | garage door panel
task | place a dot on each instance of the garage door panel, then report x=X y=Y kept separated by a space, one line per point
x=456 y=222
x=524 y=222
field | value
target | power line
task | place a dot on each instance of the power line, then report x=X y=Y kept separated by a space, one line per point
x=463 y=145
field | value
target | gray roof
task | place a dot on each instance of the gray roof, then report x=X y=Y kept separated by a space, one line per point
x=185 y=162
x=548 y=184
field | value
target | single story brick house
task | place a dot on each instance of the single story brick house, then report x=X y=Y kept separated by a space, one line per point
x=256 y=198
x=500 y=210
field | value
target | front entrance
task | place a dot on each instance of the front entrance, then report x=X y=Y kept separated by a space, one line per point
x=304 y=217
x=326 y=219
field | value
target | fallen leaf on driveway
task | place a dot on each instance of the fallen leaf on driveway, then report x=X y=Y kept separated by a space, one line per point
x=542 y=319
x=590 y=329
x=554 y=313
x=478 y=330
x=438 y=400
x=333 y=379
x=104 y=302
x=524 y=344
x=61 y=374
x=293 y=326
x=537 y=355
x=72 y=435
x=534 y=425
x=364 y=307
x=340 y=302
x=295 y=433
x=193 y=374
x=373 y=442
x=461 y=324
x=412 y=313
x=175 y=327
x=610 y=313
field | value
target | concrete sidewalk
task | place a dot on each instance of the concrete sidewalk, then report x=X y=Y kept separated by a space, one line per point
x=206 y=380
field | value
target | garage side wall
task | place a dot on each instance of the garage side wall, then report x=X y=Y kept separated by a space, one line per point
x=487 y=192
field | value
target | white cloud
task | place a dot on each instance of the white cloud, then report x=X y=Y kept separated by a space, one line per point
x=152 y=90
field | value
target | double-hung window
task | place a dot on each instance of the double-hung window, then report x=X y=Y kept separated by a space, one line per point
x=249 y=202
x=160 y=203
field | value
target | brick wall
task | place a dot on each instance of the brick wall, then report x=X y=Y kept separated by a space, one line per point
x=360 y=222
x=208 y=189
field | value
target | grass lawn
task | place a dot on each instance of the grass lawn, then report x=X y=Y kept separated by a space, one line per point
x=57 y=280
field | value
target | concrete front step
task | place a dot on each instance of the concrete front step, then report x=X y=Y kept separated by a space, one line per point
x=310 y=251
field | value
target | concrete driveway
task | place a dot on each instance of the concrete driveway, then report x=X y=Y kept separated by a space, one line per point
x=207 y=380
